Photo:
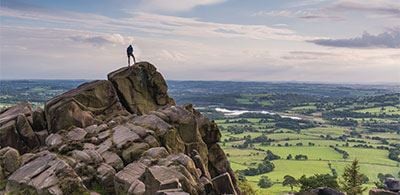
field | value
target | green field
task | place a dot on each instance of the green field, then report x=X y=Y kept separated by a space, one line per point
x=389 y=110
x=319 y=153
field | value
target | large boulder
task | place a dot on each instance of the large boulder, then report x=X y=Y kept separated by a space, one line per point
x=16 y=128
x=219 y=164
x=45 y=174
x=185 y=123
x=209 y=130
x=223 y=184
x=86 y=105
x=10 y=161
x=141 y=88
x=382 y=192
x=321 y=191
x=392 y=184
x=160 y=177
x=38 y=120
x=128 y=176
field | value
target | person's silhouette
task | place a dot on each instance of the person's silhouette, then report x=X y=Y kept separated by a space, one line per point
x=129 y=52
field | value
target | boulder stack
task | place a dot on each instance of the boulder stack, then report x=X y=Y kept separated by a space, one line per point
x=121 y=136
x=22 y=128
x=141 y=88
x=89 y=104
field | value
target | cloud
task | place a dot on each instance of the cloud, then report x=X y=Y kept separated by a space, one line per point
x=51 y=53
x=306 y=14
x=154 y=24
x=192 y=27
x=390 y=39
x=334 y=9
x=280 y=25
x=307 y=55
x=102 y=40
x=61 y=45
x=390 y=8
x=174 y=5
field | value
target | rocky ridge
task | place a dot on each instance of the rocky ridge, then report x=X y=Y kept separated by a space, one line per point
x=124 y=135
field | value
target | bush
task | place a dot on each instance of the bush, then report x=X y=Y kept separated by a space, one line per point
x=264 y=167
x=394 y=154
x=344 y=154
x=271 y=156
x=265 y=182
x=316 y=181
x=301 y=157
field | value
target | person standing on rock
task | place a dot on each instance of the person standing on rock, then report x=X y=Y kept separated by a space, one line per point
x=129 y=52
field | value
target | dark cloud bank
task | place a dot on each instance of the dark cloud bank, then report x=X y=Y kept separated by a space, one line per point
x=390 y=39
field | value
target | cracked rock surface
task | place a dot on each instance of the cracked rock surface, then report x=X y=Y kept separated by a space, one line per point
x=124 y=135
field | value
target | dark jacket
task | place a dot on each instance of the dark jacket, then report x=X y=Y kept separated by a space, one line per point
x=129 y=50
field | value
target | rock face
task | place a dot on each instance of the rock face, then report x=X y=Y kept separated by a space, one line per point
x=86 y=105
x=141 y=88
x=20 y=127
x=94 y=143
x=45 y=174
x=392 y=184
x=382 y=192
x=321 y=191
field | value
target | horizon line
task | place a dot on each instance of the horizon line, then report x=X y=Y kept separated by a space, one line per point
x=239 y=81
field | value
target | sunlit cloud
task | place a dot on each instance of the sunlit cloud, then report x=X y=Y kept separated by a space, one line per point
x=102 y=40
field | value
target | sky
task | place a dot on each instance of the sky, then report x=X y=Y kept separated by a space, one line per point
x=329 y=41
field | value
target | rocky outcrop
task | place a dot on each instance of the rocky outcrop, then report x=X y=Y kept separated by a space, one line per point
x=392 y=184
x=94 y=143
x=391 y=187
x=382 y=192
x=22 y=128
x=10 y=161
x=141 y=88
x=321 y=191
x=89 y=104
x=45 y=173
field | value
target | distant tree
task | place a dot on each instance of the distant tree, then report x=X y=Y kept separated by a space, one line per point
x=316 y=181
x=289 y=157
x=352 y=179
x=365 y=179
x=264 y=167
x=289 y=181
x=301 y=157
x=271 y=156
x=265 y=182
x=243 y=184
